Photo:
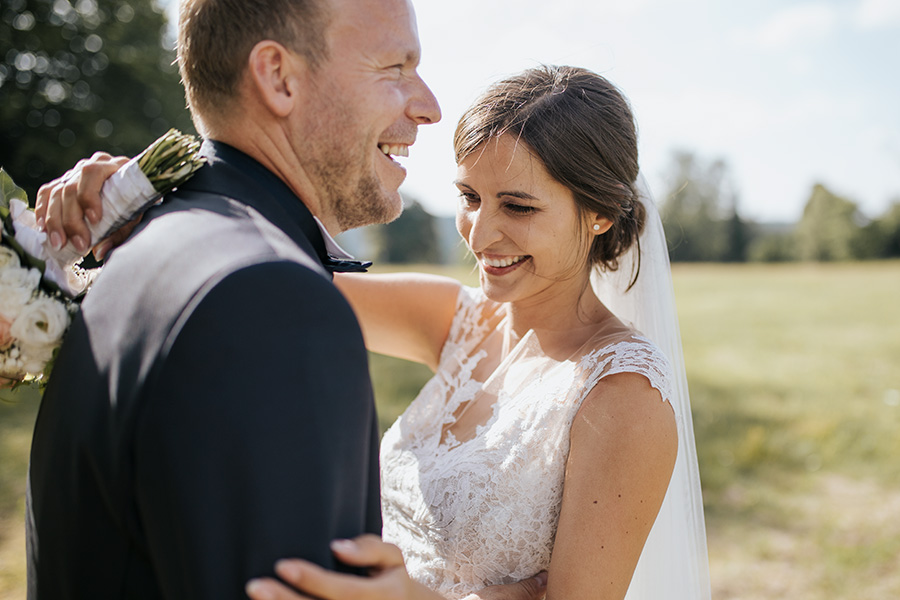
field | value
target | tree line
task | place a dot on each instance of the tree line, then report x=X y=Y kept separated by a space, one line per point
x=703 y=223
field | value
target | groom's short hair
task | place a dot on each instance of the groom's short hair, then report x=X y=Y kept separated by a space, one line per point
x=215 y=38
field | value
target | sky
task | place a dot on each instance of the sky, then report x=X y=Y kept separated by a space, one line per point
x=788 y=93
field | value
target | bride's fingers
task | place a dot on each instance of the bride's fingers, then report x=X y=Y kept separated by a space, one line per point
x=76 y=197
x=322 y=583
x=367 y=551
x=43 y=198
x=45 y=191
x=52 y=218
x=269 y=589
x=93 y=176
x=71 y=217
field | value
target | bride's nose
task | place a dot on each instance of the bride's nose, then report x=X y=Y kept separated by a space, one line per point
x=483 y=231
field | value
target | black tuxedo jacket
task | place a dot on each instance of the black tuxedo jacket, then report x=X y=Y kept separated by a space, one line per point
x=210 y=410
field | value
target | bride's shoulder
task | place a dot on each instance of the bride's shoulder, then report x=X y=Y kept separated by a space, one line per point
x=627 y=351
x=628 y=377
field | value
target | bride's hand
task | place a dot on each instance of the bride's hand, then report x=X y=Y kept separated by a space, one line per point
x=388 y=578
x=533 y=588
x=63 y=205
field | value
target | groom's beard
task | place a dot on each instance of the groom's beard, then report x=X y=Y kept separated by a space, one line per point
x=347 y=181
x=364 y=204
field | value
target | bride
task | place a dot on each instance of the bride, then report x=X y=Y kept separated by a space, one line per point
x=556 y=432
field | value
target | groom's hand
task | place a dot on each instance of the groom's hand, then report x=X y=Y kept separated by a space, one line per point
x=388 y=578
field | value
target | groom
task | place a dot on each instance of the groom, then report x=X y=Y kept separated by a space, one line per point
x=210 y=411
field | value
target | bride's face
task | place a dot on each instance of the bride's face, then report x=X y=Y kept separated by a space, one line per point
x=522 y=225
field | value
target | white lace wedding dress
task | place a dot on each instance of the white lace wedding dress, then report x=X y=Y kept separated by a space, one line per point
x=484 y=511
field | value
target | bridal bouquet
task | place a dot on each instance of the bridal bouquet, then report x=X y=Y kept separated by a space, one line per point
x=41 y=287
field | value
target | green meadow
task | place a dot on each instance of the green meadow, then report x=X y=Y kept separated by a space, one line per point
x=794 y=373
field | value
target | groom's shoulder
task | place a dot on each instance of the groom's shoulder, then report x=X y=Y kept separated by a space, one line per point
x=188 y=246
x=207 y=233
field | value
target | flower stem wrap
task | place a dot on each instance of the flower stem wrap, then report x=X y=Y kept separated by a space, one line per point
x=136 y=186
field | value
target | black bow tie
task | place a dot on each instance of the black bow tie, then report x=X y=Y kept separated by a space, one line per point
x=336 y=265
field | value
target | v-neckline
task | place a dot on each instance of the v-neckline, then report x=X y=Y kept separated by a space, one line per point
x=448 y=438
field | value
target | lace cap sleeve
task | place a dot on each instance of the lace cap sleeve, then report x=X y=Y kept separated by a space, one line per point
x=633 y=355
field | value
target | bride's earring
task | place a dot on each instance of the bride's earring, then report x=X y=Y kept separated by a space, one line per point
x=596 y=227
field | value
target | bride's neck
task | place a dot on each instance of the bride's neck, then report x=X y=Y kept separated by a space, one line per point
x=564 y=313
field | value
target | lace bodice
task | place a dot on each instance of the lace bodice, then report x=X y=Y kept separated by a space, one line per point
x=484 y=511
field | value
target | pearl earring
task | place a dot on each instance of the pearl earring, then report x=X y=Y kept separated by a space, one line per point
x=596 y=227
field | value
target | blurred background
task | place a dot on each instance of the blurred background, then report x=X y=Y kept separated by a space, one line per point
x=770 y=134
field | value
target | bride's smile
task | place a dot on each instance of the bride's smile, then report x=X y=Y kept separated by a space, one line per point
x=522 y=225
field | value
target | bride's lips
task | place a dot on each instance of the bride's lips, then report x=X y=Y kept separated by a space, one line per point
x=501 y=265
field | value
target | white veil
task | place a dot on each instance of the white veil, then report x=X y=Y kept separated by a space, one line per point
x=674 y=564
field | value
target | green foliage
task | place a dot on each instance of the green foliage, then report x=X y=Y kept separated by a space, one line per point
x=9 y=191
x=829 y=229
x=881 y=237
x=412 y=238
x=703 y=224
x=772 y=247
x=890 y=227
x=700 y=212
x=80 y=77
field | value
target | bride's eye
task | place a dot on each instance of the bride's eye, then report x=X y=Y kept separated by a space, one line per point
x=520 y=209
x=469 y=198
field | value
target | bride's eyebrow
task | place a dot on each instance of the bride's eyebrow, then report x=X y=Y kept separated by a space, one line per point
x=517 y=194
x=502 y=194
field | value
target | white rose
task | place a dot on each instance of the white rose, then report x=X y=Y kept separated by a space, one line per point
x=33 y=359
x=8 y=258
x=12 y=300
x=20 y=277
x=41 y=323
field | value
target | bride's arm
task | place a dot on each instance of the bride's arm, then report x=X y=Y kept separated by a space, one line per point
x=406 y=315
x=621 y=457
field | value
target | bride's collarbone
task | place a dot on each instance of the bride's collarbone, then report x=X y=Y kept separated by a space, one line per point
x=502 y=348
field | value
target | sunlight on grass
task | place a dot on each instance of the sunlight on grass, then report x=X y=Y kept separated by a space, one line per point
x=16 y=424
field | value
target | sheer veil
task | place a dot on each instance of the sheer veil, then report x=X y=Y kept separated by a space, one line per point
x=674 y=564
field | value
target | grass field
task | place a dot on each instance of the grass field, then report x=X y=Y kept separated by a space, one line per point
x=795 y=382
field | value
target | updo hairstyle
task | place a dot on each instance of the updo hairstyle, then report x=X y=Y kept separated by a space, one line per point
x=581 y=128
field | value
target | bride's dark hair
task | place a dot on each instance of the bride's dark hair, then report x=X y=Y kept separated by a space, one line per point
x=581 y=128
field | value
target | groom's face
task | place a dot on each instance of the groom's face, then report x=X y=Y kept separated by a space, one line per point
x=367 y=104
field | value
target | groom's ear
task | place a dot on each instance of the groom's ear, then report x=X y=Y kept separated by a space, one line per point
x=275 y=75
